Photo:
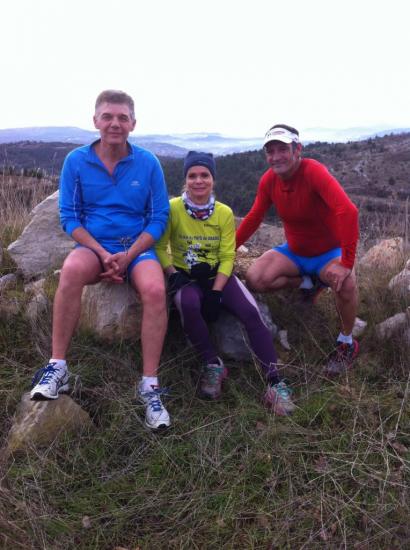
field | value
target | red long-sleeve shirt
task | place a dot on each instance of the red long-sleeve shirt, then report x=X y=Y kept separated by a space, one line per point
x=316 y=212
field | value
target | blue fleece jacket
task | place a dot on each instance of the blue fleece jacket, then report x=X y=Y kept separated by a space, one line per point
x=113 y=208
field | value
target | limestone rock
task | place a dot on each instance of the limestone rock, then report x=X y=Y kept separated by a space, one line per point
x=43 y=245
x=393 y=325
x=265 y=237
x=406 y=336
x=230 y=336
x=8 y=282
x=386 y=255
x=359 y=327
x=111 y=311
x=39 y=423
x=283 y=339
x=9 y=307
x=401 y=282
x=38 y=303
x=1 y=254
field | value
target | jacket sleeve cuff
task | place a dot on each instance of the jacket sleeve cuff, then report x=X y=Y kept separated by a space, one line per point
x=69 y=227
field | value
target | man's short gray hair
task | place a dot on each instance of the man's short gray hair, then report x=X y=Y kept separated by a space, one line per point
x=116 y=96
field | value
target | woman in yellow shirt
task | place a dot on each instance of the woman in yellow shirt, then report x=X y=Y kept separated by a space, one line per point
x=197 y=253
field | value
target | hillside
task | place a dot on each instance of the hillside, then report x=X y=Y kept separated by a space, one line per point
x=375 y=172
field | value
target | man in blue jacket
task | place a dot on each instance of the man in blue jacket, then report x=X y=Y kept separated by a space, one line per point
x=114 y=204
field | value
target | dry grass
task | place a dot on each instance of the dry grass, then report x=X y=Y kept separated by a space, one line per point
x=228 y=474
x=18 y=196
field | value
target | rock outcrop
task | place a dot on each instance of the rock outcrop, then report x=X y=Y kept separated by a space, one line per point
x=39 y=423
x=386 y=255
x=38 y=302
x=8 y=282
x=111 y=311
x=230 y=336
x=397 y=324
x=9 y=307
x=43 y=245
x=400 y=283
x=266 y=236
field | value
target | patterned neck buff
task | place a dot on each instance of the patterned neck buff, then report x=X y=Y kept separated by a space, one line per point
x=199 y=211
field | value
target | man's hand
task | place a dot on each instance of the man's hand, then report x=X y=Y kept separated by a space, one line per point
x=115 y=267
x=336 y=274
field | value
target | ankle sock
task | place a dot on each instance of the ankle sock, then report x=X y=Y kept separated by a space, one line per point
x=345 y=339
x=306 y=283
x=60 y=363
x=147 y=382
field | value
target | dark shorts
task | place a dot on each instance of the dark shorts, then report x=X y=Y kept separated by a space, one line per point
x=309 y=265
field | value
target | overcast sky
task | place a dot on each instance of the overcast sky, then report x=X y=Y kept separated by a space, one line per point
x=230 y=66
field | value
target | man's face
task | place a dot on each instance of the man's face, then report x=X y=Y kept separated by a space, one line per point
x=282 y=157
x=114 y=121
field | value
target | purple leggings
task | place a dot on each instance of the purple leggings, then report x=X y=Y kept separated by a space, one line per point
x=237 y=299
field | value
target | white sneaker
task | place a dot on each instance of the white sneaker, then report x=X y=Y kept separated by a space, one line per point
x=49 y=381
x=156 y=415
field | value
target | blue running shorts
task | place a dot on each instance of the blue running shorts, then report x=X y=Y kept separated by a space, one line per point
x=309 y=265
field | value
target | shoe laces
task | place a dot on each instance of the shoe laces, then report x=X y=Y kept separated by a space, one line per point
x=343 y=351
x=283 y=390
x=154 y=398
x=213 y=374
x=45 y=374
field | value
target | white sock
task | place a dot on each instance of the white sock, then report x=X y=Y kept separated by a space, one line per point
x=149 y=381
x=345 y=339
x=60 y=363
x=306 y=282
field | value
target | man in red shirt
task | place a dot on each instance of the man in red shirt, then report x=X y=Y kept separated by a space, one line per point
x=321 y=228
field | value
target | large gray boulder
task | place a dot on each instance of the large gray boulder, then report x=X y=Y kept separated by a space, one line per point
x=111 y=311
x=230 y=336
x=399 y=323
x=400 y=283
x=266 y=235
x=43 y=245
x=387 y=255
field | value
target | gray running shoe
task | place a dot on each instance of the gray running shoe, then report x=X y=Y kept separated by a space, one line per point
x=342 y=358
x=212 y=378
x=49 y=382
x=156 y=415
x=278 y=398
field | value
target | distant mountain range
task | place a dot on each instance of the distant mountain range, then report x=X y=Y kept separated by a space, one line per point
x=177 y=145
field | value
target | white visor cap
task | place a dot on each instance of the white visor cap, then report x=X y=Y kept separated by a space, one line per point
x=280 y=134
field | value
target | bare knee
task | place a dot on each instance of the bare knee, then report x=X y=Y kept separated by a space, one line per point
x=255 y=280
x=349 y=291
x=79 y=269
x=153 y=295
x=73 y=276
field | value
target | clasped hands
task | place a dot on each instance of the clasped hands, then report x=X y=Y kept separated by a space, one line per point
x=115 y=267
